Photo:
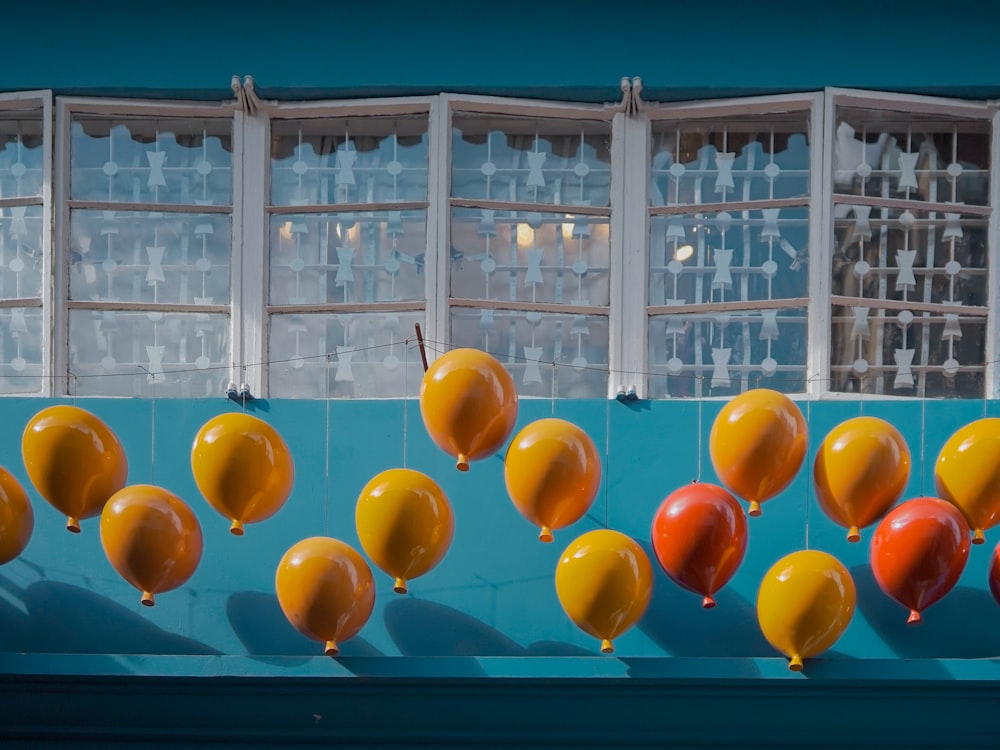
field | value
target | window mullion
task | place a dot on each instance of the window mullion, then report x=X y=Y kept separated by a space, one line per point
x=629 y=240
x=249 y=270
x=819 y=260
x=438 y=189
x=57 y=347
x=992 y=374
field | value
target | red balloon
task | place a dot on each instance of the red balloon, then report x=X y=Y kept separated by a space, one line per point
x=700 y=537
x=919 y=551
x=994 y=575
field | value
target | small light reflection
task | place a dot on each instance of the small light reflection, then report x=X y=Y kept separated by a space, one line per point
x=683 y=253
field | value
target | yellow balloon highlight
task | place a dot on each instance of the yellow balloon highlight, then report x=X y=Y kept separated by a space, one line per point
x=405 y=524
x=604 y=581
x=152 y=538
x=469 y=404
x=17 y=519
x=326 y=590
x=74 y=460
x=861 y=469
x=553 y=472
x=242 y=467
x=757 y=445
x=967 y=474
x=805 y=602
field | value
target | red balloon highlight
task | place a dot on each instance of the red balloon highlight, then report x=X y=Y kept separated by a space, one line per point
x=919 y=551
x=699 y=538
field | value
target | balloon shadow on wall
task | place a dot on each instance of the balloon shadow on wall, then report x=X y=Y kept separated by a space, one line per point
x=965 y=624
x=676 y=621
x=62 y=618
x=262 y=628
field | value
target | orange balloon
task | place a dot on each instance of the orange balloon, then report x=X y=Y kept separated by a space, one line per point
x=604 y=582
x=553 y=472
x=326 y=590
x=17 y=519
x=861 y=469
x=405 y=524
x=967 y=474
x=757 y=445
x=152 y=538
x=469 y=404
x=243 y=468
x=74 y=460
x=919 y=551
x=700 y=538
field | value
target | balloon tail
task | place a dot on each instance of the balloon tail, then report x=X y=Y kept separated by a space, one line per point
x=854 y=534
x=237 y=528
x=546 y=535
x=978 y=537
x=400 y=587
x=754 y=508
x=147 y=599
x=914 y=618
x=331 y=648
x=795 y=663
x=73 y=525
x=708 y=602
x=607 y=647
x=463 y=462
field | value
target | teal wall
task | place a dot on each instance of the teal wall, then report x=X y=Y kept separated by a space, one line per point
x=493 y=594
x=559 y=49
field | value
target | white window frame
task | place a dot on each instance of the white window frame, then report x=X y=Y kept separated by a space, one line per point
x=23 y=100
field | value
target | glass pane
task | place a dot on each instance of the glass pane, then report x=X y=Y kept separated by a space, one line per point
x=911 y=156
x=21 y=350
x=375 y=256
x=348 y=160
x=563 y=162
x=752 y=158
x=163 y=160
x=724 y=257
x=722 y=354
x=916 y=256
x=22 y=150
x=148 y=354
x=137 y=256
x=358 y=355
x=549 y=354
x=907 y=353
x=531 y=257
x=21 y=252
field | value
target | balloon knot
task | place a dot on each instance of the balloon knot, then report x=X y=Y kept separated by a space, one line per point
x=147 y=599
x=463 y=462
x=708 y=602
x=795 y=663
x=237 y=528
x=754 y=509
x=400 y=586
x=331 y=648
x=978 y=537
x=73 y=525
x=607 y=647
x=546 y=535
x=854 y=534
x=914 y=618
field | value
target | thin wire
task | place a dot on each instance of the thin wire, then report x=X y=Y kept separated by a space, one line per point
x=701 y=424
x=607 y=456
x=923 y=443
x=553 y=390
x=406 y=381
x=152 y=439
x=326 y=459
x=810 y=461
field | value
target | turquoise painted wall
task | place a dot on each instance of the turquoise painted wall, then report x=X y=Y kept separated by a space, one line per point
x=493 y=594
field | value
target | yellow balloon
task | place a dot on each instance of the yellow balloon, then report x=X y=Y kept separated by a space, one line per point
x=405 y=524
x=553 y=472
x=17 y=519
x=757 y=444
x=469 y=404
x=604 y=581
x=152 y=538
x=967 y=474
x=74 y=460
x=804 y=604
x=243 y=468
x=326 y=590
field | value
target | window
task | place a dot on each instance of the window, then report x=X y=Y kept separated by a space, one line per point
x=831 y=244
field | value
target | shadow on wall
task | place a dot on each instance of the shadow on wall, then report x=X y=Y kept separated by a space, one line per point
x=678 y=623
x=965 y=624
x=261 y=626
x=61 y=618
x=422 y=628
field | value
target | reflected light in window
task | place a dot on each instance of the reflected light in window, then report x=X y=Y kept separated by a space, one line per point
x=525 y=236
x=683 y=252
x=285 y=231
